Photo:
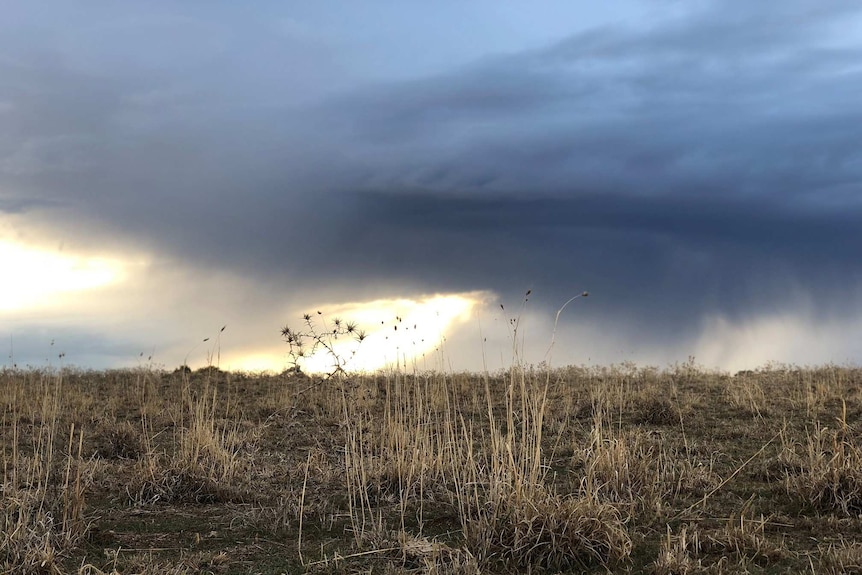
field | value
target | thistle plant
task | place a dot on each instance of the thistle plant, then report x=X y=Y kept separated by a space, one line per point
x=317 y=336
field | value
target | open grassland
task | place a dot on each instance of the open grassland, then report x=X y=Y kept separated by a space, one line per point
x=620 y=469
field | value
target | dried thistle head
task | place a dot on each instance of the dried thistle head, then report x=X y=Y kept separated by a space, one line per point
x=288 y=334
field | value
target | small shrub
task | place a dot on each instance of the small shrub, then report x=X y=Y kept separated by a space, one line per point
x=320 y=337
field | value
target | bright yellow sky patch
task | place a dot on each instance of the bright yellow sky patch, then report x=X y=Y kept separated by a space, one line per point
x=35 y=278
x=422 y=324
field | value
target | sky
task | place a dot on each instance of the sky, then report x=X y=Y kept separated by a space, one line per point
x=169 y=169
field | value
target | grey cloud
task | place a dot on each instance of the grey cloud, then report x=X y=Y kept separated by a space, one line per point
x=686 y=256
x=699 y=164
x=629 y=118
x=716 y=145
x=56 y=346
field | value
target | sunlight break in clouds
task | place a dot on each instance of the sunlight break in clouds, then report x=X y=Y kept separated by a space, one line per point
x=38 y=278
x=399 y=330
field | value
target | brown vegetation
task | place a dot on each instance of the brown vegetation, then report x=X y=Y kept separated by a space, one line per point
x=618 y=469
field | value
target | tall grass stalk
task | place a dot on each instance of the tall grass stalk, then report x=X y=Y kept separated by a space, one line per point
x=42 y=502
x=494 y=472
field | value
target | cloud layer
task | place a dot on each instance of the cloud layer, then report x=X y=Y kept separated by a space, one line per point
x=684 y=163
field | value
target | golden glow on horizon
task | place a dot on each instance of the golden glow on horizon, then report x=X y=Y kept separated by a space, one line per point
x=424 y=322
x=421 y=326
x=35 y=277
x=256 y=362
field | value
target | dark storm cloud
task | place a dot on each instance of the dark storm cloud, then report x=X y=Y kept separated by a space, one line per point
x=680 y=255
x=697 y=164
x=706 y=165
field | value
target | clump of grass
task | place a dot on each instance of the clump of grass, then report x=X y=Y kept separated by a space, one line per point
x=121 y=441
x=620 y=467
x=424 y=448
x=844 y=558
x=401 y=552
x=815 y=388
x=745 y=392
x=657 y=410
x=143 y=567
x=695 y=550
x=205 y=466
x=508 y=513
x=42 y=493
x=679 y=553
x=635 y=469
x=785 y=464
x=832 y=476
x=171 y=482
x=408 y=456
x=434 y=557
x=37 y=529
x=745 y=539
x=539 y=529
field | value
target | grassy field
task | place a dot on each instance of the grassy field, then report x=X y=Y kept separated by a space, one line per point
x=619 y=469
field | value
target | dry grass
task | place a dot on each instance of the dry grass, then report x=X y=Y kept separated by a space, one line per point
x=616 y=469
x=831 y=476
x=42 y=506
x=842 y=558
